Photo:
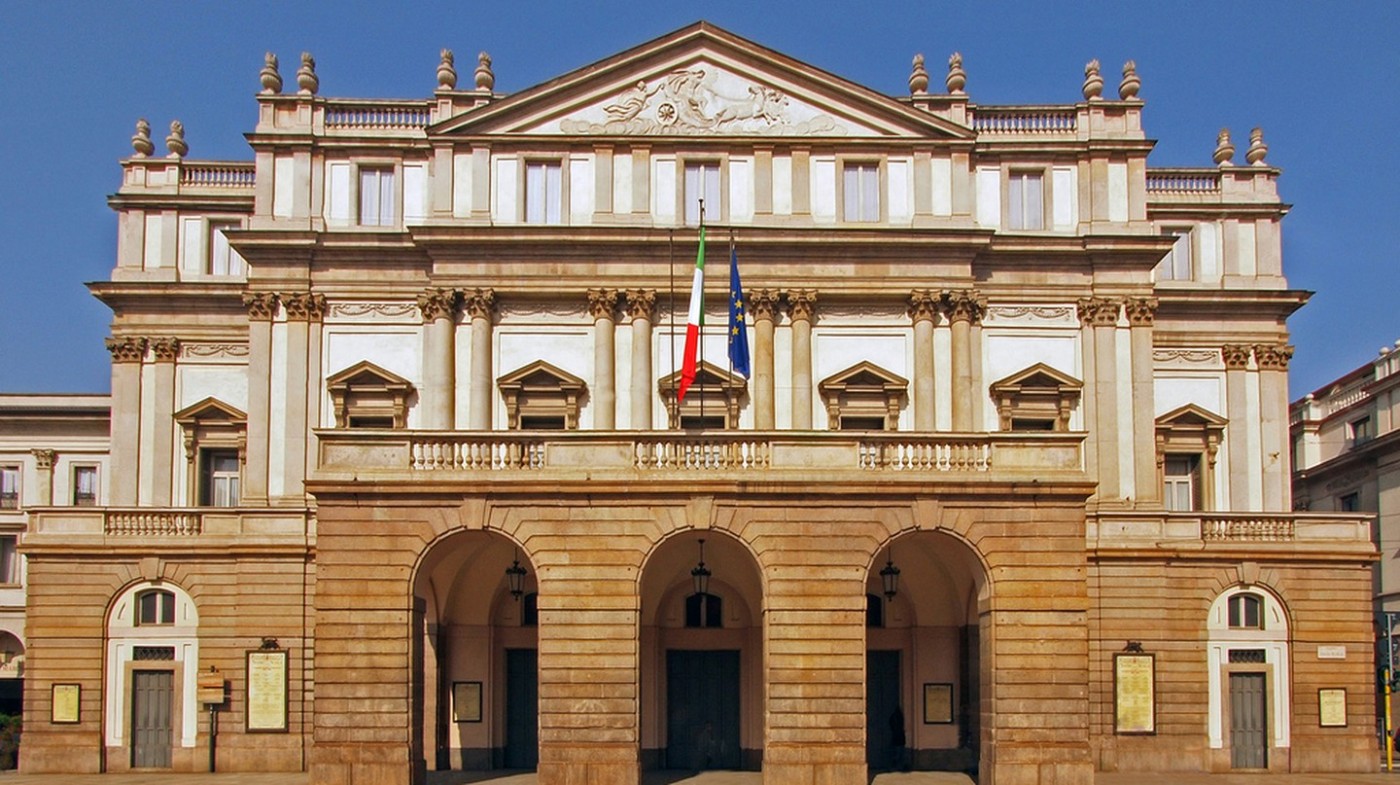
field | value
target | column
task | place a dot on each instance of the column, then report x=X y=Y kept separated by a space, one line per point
x=602 y=306
x=1236 y=358
x=801 y=304
x=964 y=309
x=923 y=309
x=1273 y=424
x=164 y=350
x=641 y=309
x=438 y=396
x=43 y=465
x=303 y=309
x=127 y=354
x=262 y=307
x=1141 y=312
x=763 y=309
x=480 y=307
x=1100 y=315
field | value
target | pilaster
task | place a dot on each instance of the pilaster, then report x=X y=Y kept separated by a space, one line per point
x=164 y=351
x=262 y=308
x=1099 y=316
x=801 y=311
x=1141 y=312
x=480 y=307
x=963 y=309
x=1273 y=421
x=43 y=467
x=641 y=311
x=438 y=308
x=763 y=308
x=923 y=310
x=304 y=312
x=125 y=462
x=1236 y=358
x=602 y=306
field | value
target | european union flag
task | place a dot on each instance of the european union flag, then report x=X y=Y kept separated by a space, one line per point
x=738 y=320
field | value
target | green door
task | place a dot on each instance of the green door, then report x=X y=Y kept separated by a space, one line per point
x=702 y=710
x=522 y=709
x=881 y=704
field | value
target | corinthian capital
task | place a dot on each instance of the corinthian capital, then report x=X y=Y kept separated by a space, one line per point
x=1098 y=312
x=1273 y=358
x=641 y=304
x=439 y=303
x=262 y=306
x=479 y=303
x=1236 y=356
x=923 y=305
x=304 y=306
x=43 y=459
x=964 y=306
x=165 y=349
x=802 y=304
x=763 y=304
x=602 y=303
x=127 y=350
x=1141 y=311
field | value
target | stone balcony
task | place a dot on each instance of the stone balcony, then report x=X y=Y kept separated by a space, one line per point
x=138 y=529
x=1251 y=534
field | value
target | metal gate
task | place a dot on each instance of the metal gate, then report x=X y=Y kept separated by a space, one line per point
x=1249 y=726
x=152 y=696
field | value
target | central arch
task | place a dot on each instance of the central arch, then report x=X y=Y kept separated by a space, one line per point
x=701 y=654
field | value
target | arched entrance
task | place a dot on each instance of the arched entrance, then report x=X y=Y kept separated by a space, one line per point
x=475 y=684
x=702 y=655
x=926 y=597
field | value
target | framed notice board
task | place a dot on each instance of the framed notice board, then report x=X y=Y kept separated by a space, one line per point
x=267 y=691
x=1134 y=693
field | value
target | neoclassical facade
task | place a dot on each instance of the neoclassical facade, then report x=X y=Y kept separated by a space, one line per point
x=399 y=479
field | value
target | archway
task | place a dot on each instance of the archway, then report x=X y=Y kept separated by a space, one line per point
x=475 y=684
x=11 y=673
x=924 y=654
x=702 y=688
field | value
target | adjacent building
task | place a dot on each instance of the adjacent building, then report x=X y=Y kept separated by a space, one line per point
x=400 y=478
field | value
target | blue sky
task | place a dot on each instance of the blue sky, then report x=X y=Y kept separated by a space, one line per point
x=1320 y=78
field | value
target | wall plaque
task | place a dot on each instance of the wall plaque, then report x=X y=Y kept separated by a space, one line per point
x=1134 y=695
x=1332 y=707
x=267 y=691
x=466 y=701
x=938 y=704
x=65 y=709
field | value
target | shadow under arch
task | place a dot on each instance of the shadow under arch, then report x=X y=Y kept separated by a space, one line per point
x=474 y=654
x=928 y=654
x=701 y=654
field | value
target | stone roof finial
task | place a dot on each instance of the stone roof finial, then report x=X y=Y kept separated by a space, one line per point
x=485 y=77
x=1224 y=150
x=175 y=142
x=141 y=142
x=1128 y=88
x=1257 y=149
x=957 y=77
x=270 y=78
x=446 y=72
x=307 y=81
x=1093 y=82
x=918 y=77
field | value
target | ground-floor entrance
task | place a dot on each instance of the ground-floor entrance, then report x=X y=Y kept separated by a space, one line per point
x=522 y=748
x=702 y=710
x=1249 y=727
x=884 y=717
x=152 y=698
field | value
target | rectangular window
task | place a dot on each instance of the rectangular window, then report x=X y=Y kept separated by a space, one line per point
x=223 y=260
x=544 y=193
x=85 y=486
x=859 y=423
x=1026 y=200
x=9 y=559
x=1349 y=503
x=1176 y=265
x=219 y=487
x=156 y=607
x=376 y=196
x=1360 y=431
x=861 y=192
x=701 y=182
x=9 y=487
x=1181 y=484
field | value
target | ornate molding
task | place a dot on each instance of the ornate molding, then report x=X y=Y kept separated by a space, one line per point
x=641 y=304
x=304 y=306
x=1098 y=312
x=1236 y=356
x=372 y=311
x=1210 y=357
x=1044 y=314
x=262 y=306
x=1273 y=357
x=43 y=459
x=165 y=350
x=602 y=303
x=764 y=303
x=127 y=350
x=439 y=303
x=209 y=350
x=923 y=306
x=964 y=306
x=1141 y=311
x=801 y=304
x=479 y=303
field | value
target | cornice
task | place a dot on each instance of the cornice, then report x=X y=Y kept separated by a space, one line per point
x=1229 y=304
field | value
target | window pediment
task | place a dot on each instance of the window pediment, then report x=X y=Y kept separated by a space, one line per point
x=1036 y=394
x=211 y=423
x=715 y=391
x=365 y=395
x=863 y=394
x=542 y=394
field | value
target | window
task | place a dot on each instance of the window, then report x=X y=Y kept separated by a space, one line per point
x=1181 y=486
x=1350 y=502
x=874 y=610
x=367 y=396
x=1036 y=398
x=85 y=486
x=864 y=397
x=861 y=189
x=1176 y=265
x=376 y=196
x=219 y=482
x=856 y=423
x=156 y=606
x=544 y=193
x=1360 y=431
x=701 y=182
x=1246 y=612
x=1026 y=200
x=9 y=487
x=541 y=397
x=9 y=559
x=704 y=610
x=530 y=610
x=223 y=260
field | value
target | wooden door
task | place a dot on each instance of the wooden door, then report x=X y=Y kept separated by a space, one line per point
x=152 y=698
x=522 y=709
x=881 y=703
x=702 y=710
x=1249 y=725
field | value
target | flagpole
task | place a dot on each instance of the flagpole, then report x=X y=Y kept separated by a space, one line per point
x=730 y=354
x=671 y=262
x=700 y=366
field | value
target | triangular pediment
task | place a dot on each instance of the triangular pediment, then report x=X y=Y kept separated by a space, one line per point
x=1039 y=376
x=701 y=81
x=863 y=376
x=707 y=376
x=540 y=375
x=209 y=410
x=367 y=375
x=1192 y=415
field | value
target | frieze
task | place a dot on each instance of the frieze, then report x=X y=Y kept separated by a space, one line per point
x=209 y=351
x=1038 y=315
x=865 y=311
x=1206 y=359
x=561 y=309
x=373 y=312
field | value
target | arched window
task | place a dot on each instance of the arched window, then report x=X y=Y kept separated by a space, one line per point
x=704 y=610
x=155 y=607
x=1246 y=612
x=874 y=610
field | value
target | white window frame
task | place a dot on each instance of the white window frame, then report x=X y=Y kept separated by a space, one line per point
x=382 y=210
x=220 y=488
x=1189 y=483
x=1179 y=264
x=11 y=480
x=1023 y=214
x=221 y=259
x=77 y=471
x=9 y=560
x=863 y=203
x=543 y=205
x=702 y=178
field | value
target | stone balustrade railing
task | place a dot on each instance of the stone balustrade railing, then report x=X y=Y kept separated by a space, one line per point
x=1250 y=529
x=1183 y=181
x=377 y=115
x=1347 y=396
x=147 y=523
x=492 y=452
x=1128 y=529
x=93 y=526
x=1025 y=119
x=217 y=174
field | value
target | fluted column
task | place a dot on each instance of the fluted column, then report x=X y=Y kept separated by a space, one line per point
x=437 y=399
x=480 y=307
x=763 y=309
x=127 y=354
x=602 y=306
x=304 y=310
x=923 y=309
x=164 y=350
x=964 y=309
x=1142 y=312
x=641 y=310
x=43 y=465
x=1100 y=316
x=1273 y=426
x=1237 y=412
x=262 y=308
x=801 y=307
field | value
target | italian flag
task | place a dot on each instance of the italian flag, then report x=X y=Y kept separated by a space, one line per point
x=694 y=321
